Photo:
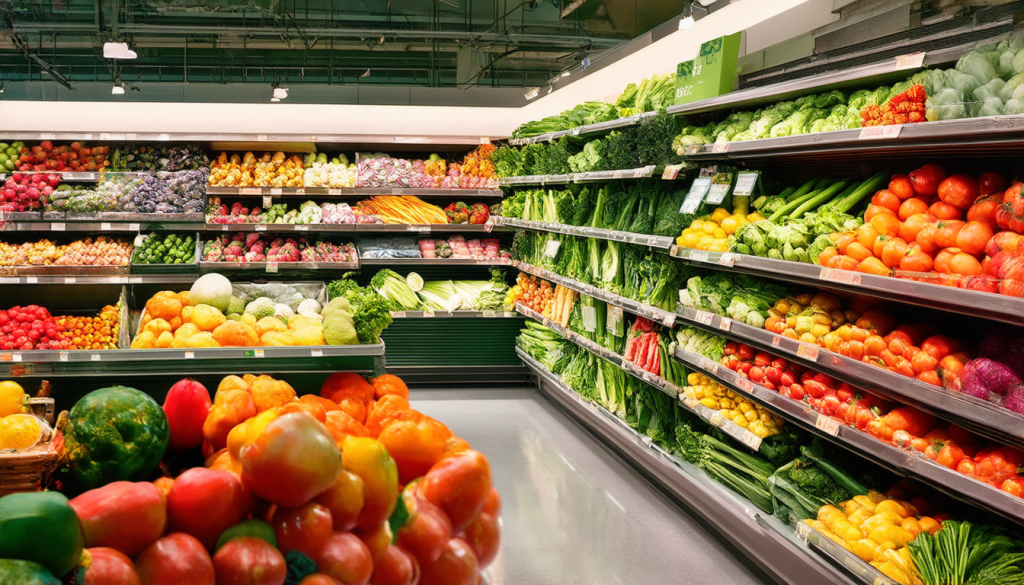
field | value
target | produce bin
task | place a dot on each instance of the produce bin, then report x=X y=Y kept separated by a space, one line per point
x=184 y=268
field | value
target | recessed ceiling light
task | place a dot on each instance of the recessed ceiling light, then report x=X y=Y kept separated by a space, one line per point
x=118 y=51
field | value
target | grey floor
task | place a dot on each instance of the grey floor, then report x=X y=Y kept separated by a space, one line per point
x=572 y=511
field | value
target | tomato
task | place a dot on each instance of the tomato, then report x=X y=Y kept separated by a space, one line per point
x=493 y=504
x=457 y=565
x=858 y=252
x=174 y=560
x=925 y=180
x=389 y=384
x=901 y=186
x=108 y=566
x=344 y=500
x=872 y=265
x=290 y=460
x=247 y=560
x=887 y=199
x=122 y=515
x=303 y=529
x=942 y=259
x=205 y=502
x=353 y=407
x=886 y=224
x=944 y=211
x=415 y=445
x=913 y=225
x=397 y=567
x=893 y=251
x=346 y=385
x=948 y=231
x=926 y=238
x=369 y=460
x=973 y=237
x=950 y=455
x=459 y=485
x=964 y=265
x=377 y=540
x=483 y=536
x=914 y=260
x=426 y=531
x=866 y=236
x=912 y=206
x=874 y=211
x=1011 y=288
x=985 y=210
x=341 y=424
x=1003 y=242
x=989 y=183
x=344 y=557
x=960 y=191
x=879 y=245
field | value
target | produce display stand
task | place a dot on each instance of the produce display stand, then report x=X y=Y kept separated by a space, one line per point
x=585 y=129
x=591 y=177
x=659 y=242
x=352 y=192
x=457 y=314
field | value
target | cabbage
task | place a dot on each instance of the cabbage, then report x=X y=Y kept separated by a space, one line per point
x=211 y=289
x=1013 y=106
x=1005 y=67
x=965 y=84
x=990 y=90
x=946 y=105
x=991 y=107
x=978 y=66
x=260 y=308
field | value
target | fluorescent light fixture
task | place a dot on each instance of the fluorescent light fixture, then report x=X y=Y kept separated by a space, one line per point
x=532 y=93
x=566 y=73
x=118 y=51
x=686 y=23
x=118 y=87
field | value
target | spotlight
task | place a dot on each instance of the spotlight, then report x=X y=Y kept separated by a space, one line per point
x=2 y=87
x=118 y=51
x=275 y=99
x=532 y=93
x=118 y=87
x=280 y=92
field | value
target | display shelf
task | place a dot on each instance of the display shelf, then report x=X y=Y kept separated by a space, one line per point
x=585 y=129
x=638 y=173
x=433 y=262
x=661 y=242
x=119 y=279
x=864 y=76
x=974 y=303
x=274 y=267
x=712 y=417
x=104 y=226
x=902 y=461
x=776 y=547
x=398 y=141
x=980 y=416
x=459 y=314
x=120 y=226
x=174 y=361
x=955 y=136
x=352 y=192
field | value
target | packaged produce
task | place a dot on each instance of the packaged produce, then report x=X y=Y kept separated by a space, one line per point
x=399 y=247
x=103 y=251
x=254 y=247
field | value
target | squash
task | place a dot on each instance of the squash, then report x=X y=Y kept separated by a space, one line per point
x=43 y=528
x=114 y=434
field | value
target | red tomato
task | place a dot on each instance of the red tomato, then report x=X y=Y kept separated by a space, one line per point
x=415 y=445
x=1002 y=241
x=483 y=536
x=319 y=579
x=206 y=502
x=122 y=515
x=344 y=499
x=108 y=566
x=346 y=384
x=926 y=238
x=858 y=252
x=887 y=199
x=948 y=230
x=344 y=557
x=174 y=560
x=985 y=209
x=964 y=265
x=913 y=226
x=369 y=460
x=397 y=567
x=943 y=210
x=459 y=485
x=912 y=206
x=893 y=251
x=989 y=183
x=873 y=265
x=427 y=529
x=457 y=565
x=901 y=186
x=950 y=455
x=303 y=529
x=973 y=237
x=247 y=560
x=926 y=179
x=914 y=260
x=377 y=540
x=960 y=191
x=876 y=210
x=942 y=259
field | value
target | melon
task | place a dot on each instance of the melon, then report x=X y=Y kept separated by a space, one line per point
x=211 y=289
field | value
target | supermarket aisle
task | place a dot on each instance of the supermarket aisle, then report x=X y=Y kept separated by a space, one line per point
x=572 y=513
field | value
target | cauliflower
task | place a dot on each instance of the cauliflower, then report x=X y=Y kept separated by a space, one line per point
x=260 y=308
x=310 y=308
x=283 y=310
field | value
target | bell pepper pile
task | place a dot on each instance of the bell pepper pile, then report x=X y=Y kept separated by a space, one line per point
x=808 y=317
x=734 y=407
x=348 y=486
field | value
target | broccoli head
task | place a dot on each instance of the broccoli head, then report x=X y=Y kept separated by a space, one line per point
x=372 y=316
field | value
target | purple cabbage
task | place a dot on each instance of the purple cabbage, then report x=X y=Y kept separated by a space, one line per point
x=982 y=376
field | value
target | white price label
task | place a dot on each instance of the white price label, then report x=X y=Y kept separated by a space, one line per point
x=250 y=191
x=489 y=314
x=57 y=227
x=827 y=424
x=275 y=191
x=95 y=357
x=190 y=355
x=698 y=189
x=31 y=280
x=104 y=137
x=334 y=191
x=807 y=351
x=133 y=227
x=616 y=174
x=69 y=280
x=63 y=356
x=301 y=228
x=316 y=352
x=613 y=323
x=225 y=228
x=699 y=255
x=671 y=172
x=751 y=440
x=16 y=357
x=589 y=318
x=717 y=419
x=262 y=227
x=745 y=182
x=837 y=275
x=720 y=147
x=724 y=323
x=419 y=228
x=105 y=226
x=880 y=132
x=428 y=314
x=551 y=248
x=163 y=137
x=261 y=138
x=669 y=320
x=641 y=173
x=268 y=201
x=911 y=61
x=727 y=259
x=398 y=314
x=704 y=317
x=691 y=403
x=717 y=193
x=272 y=267
x=803 y=530
x=488 y=227
x=776 y=341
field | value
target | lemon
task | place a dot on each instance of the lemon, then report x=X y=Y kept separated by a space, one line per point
x=710 y=227
x=12 y=397
x=719 y=214
x=19 y=431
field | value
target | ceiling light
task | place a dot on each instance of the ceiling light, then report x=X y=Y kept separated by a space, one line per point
x=1 y=87
x=367 y=74
x=118 y=51
x=280 y=92
x=532 y=93
x=275 y=99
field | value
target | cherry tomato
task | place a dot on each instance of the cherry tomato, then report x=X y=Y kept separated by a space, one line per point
x=457 y=565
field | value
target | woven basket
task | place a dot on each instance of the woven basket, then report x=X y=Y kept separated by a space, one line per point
x=29 y=470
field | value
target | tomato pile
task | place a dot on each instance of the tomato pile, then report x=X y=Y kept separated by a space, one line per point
x=348 y=487
x=31 y=327
x=67 y=157
x=953 y=230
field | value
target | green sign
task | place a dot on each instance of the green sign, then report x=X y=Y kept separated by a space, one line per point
x=711 y=73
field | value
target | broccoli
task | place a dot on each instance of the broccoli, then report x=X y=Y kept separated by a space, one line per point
x=371 y=316
x=816 y=482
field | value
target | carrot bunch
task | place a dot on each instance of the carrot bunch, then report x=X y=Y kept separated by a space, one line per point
x=404 y=209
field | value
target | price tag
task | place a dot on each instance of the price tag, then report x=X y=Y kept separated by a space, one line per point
x=261 y=227
x=698 y=189
x=911 y=61
x=751 y=440
x=639 y=173
x=724 y=323
x=551 y=248
x=709 y=365
x=837 y=275
x=189 y=355
x=803 y=530
x=827 y=424
x=334 y=191
x=47 y=136
x=57 y=227
x=808 y=351
x=745 y=182
x=671 y=172
x=63 y=356
x=398 y=314
x=261 y=138
x=490 y=314
x=589 y=318
x=881 y=581
x=428 y=314
x=104 y=137
x=613 y=323
x=727 y=259
x=95 y=357
x=272 y=267
x=880 y=132
x=105 y=227
x=69 y=280
x=14 y=280
x=720 y=147
x=717 y=419
x=275 y=191
x=133 y=227
x=669 y=320
x=225 y=228
x=776 y=341
x=616 y=174
x=744 y=384
x=316 y=352
x=250 y=191
x=16 y=357
x=134 y=279
x=699 y=255
x=301 y=228
x=420 y=228
x=717 y=193
x=268 y=201
x=691 y=403
x=704 y=317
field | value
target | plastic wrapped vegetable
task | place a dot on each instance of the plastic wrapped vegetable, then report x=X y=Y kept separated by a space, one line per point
x=948 y=104
x=977 y=66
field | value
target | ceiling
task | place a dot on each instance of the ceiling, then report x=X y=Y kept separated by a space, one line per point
x=407 y=43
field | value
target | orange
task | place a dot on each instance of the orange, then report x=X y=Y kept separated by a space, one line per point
x=389 y=384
